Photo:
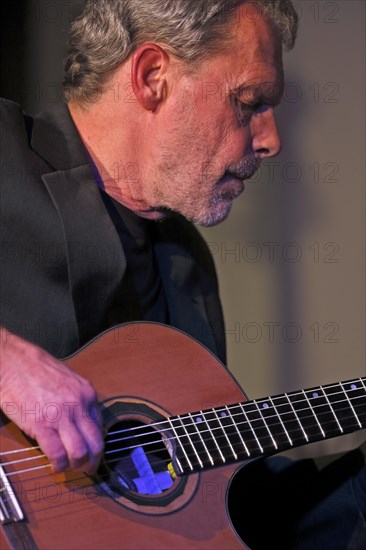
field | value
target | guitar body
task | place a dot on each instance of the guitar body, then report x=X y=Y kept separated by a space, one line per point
x=142 y=372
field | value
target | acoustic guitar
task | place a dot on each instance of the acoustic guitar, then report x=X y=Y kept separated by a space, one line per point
x=177 y=424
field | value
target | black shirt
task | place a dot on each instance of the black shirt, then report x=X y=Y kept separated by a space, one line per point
x=141 y=295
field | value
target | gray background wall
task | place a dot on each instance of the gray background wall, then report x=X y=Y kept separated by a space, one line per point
x=291 y=257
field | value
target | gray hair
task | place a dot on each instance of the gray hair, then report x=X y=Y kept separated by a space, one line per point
x=108 y=31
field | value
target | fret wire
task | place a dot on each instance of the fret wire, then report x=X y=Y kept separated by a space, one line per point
x=251 y=427
x=299 y=393
x=190 y=441
x=202 y=440
x=350 y=404
x=315 y=416
x=300 y=410
x=280 y=419
x=182 y=447
x=336 y=385
x=297 y=418
x=318 y=406
x=331 y=408
x=237 y=429
x=296 y=439
x=213 y=437
x=363 y=382
x=226 y=437
x=265 y=423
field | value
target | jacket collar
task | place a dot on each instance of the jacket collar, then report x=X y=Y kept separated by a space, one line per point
x=55 y=138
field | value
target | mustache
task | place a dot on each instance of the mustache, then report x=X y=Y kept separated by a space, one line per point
x=246 y=169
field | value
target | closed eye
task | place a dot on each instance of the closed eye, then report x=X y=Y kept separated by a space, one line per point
x=246 y=110
x=260 y=107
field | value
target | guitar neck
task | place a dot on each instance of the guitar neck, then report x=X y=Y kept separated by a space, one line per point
x=262 y=427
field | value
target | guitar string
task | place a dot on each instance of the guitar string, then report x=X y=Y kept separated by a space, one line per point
x=267 y=452
x=159 y=441
x=221 y=436
x=223 y=428
x=264 y=400
x=259 y=401
x=246 y=405
x=127 y=470
x=207 y=421
x=280 y=415
x=230 y=416
x=106 y=476
x=150 y=433
x=116 y=460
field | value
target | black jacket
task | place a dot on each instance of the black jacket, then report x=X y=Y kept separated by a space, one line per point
x=61 y=258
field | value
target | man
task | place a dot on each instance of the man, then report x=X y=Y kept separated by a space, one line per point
x=135 y=152
x=192 y=159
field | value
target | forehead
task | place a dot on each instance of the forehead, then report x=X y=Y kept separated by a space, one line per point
x=252 y=62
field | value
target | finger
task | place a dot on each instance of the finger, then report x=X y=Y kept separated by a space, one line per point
x=92 y=414
x=90 y=426
x=75 y=445
x=50 y=442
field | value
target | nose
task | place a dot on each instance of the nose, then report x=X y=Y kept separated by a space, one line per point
x=265 y=138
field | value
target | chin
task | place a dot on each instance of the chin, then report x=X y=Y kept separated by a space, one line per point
x=207 y=217
x=215 y=216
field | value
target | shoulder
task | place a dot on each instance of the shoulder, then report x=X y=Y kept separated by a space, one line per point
x=11 y=112
x=21 y=166
x=8 y=108
x=16 y=126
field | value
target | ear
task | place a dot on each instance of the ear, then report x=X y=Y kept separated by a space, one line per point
x=148 y=74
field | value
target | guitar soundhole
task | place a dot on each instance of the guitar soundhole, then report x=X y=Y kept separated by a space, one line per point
x=138 y=459
x=137 y=470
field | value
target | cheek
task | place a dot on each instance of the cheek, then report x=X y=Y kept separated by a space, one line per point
x=238 y=144
x=211 y=134
x=231 y=137
x=225 y=150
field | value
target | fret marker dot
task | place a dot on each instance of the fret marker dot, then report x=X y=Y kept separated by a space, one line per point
x=198 y=419
x=223 y=414
x=315 y=394
x=265 y=406
x=353 y=387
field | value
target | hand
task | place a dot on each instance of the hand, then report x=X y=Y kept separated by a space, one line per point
x=50 y=403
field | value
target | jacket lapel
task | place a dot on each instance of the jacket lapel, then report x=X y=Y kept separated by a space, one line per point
x=92 y=245
x=91 y=240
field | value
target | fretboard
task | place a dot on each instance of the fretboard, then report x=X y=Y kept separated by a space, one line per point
x=240 y=431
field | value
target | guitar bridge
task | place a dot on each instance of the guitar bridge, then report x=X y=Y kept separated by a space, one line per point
x=10 y=510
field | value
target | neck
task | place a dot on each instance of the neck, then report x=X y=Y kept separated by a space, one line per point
x=109 y=138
